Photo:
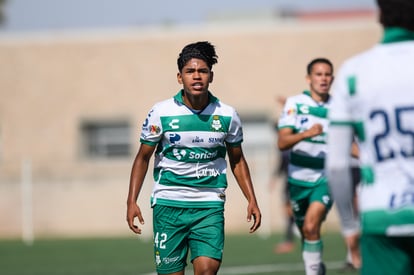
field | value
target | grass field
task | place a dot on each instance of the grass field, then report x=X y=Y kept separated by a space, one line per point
x=247 y=255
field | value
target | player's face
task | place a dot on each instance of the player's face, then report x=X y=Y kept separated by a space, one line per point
x=320 y=79
x=195 y=77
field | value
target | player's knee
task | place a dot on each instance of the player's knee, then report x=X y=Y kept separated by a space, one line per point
x=311 y=231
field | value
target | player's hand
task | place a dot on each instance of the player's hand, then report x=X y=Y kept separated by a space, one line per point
x=133 y=211
x=315 y=130
x=253 y=211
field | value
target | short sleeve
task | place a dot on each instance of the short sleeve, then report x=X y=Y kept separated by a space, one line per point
x=235 y=133
x=151 y=131
x=288 y=117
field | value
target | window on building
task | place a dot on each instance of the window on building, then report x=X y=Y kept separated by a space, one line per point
x=106 y=139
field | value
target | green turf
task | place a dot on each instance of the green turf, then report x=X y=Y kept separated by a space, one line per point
x=126 y=256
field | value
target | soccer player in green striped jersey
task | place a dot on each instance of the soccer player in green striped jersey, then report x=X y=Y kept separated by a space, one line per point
x=302 y=129
x=190 y=134
x=374 y=96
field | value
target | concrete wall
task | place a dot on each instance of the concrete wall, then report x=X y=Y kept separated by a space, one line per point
x=50 y=83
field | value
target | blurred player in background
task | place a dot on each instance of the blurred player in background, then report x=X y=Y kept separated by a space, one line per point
x=374 y=96
x=190 y=135
x=302 y=129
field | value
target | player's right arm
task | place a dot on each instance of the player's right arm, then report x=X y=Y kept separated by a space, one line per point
x=287 y=138
x=139 y=170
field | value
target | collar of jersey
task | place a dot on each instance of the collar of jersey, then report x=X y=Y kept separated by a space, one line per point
x=308 y=93
x=395 y=34
x=179 y=97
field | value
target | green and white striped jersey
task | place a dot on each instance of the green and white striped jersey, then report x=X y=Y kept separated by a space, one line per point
x=307 y=157
x=190 y=166
x=374 y=96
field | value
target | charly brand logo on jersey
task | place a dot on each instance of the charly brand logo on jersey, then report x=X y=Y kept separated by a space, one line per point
x=198 y=140
x=174 y=123
x=216 y=123
x=179 y=154
x=175 y=138
x=206 y=172
x=304 y=109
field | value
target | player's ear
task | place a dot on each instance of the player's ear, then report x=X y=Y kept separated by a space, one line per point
x=179 y=78
x=308 y=80
x=211 y=77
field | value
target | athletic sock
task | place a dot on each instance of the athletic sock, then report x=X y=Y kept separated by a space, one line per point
x=348 y=255
x=312 y=256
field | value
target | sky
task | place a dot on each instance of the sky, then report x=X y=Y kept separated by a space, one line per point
x=52 y=15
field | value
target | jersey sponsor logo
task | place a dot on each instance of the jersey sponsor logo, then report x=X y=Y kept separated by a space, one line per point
x=216 y=123
x=207 y=172
x=180 y=154
x=198 y=140
x=175 y=138
x=173 y=123
x=405 y=198
x=194 y=155
x=215 y=140
x=303 y=120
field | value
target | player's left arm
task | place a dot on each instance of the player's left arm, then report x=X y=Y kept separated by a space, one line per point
x=241 y=172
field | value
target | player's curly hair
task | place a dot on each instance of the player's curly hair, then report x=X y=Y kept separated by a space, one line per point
x=203 y=50
x=397 y=13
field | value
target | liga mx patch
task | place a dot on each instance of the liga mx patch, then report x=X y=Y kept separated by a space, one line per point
x=291 y=111
x=154 y=129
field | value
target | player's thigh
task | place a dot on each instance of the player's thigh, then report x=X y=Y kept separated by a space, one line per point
x=320 y=199
x=299 y=200
x=322 y=194
x=383 y=255
x=206 y=238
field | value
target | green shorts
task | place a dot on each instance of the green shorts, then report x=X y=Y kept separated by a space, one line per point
x=387 y=255
x=180 y=230
x=301 y=197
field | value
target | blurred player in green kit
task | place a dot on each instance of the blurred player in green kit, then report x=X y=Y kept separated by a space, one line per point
x=302 y=129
